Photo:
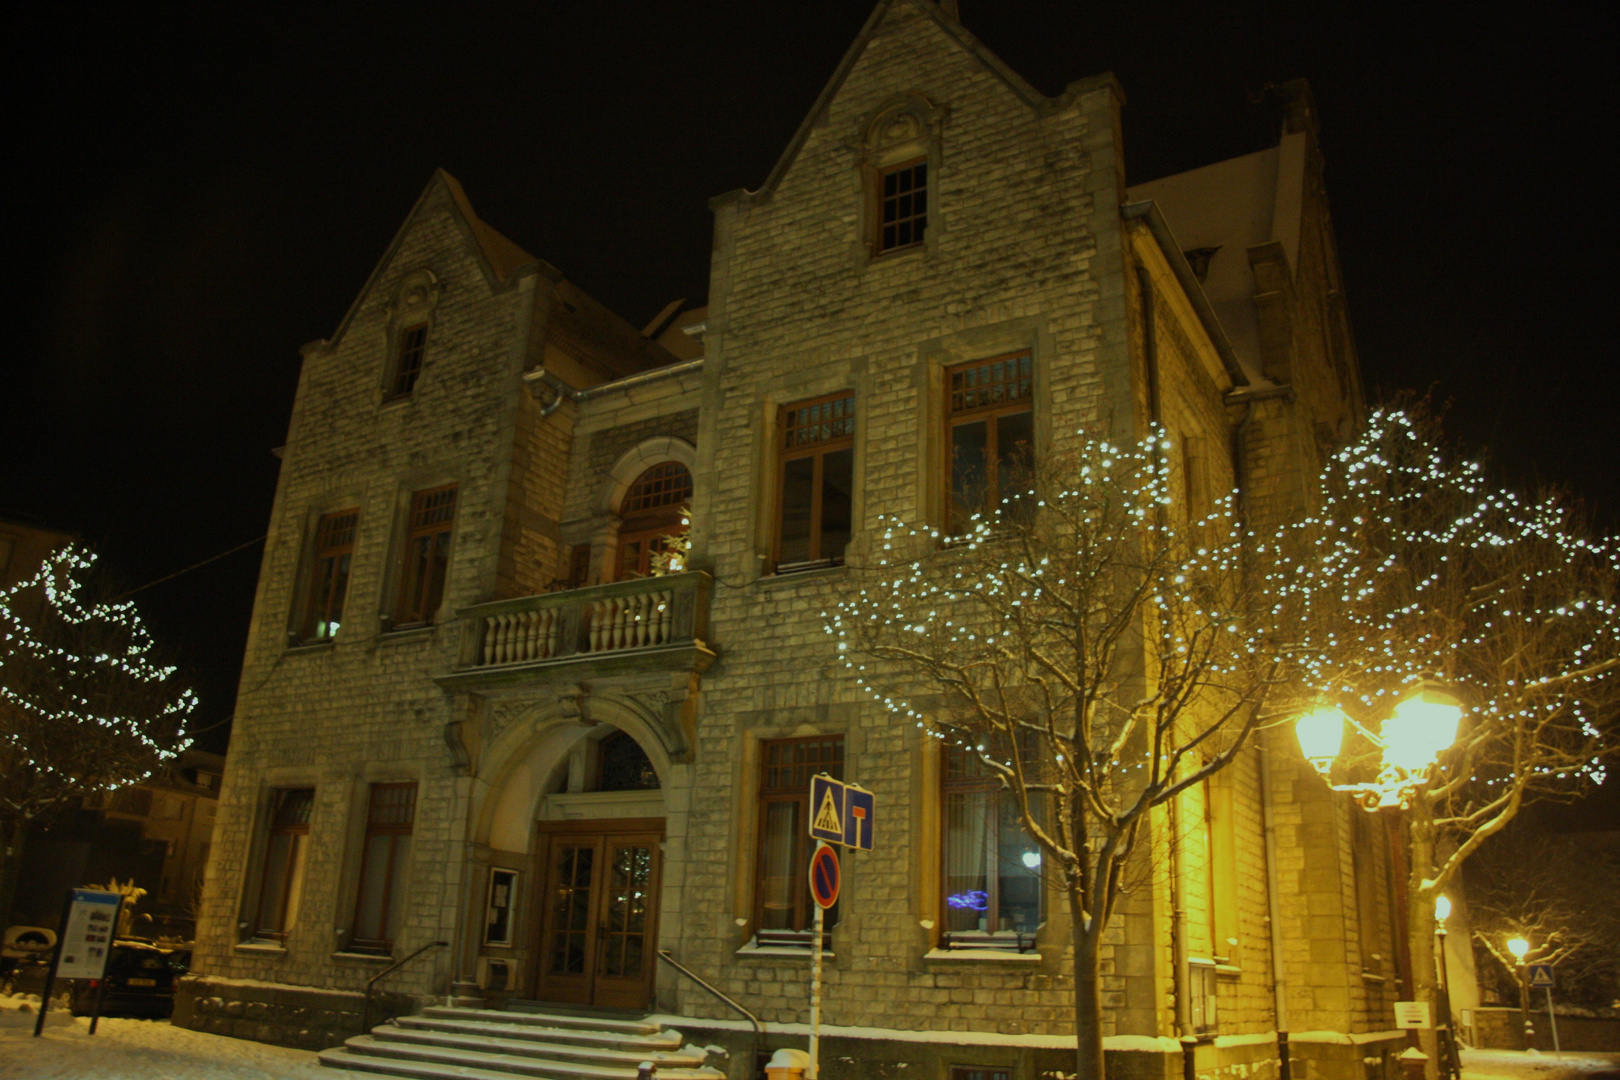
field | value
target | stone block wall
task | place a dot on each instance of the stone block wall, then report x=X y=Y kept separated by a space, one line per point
x=301 y=1017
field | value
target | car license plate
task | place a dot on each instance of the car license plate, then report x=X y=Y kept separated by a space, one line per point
x=141 y=982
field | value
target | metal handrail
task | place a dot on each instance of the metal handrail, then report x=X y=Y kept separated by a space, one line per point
x=759 y=1032
x=365 y=1012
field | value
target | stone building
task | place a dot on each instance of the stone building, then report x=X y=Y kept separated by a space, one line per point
x=469 y=715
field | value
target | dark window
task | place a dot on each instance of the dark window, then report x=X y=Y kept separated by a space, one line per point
x=624 y=765
x=408 y=364
x=903 y=206
x=387 y=851
x=783 y=907
x=816 y=483
x=993 y=893
x=427 y=555
x=992 y=435
x=283 y=881
x=502 y=899
x=653 y=514
x=334 y=548
x=979 y=1072
x=579 y=566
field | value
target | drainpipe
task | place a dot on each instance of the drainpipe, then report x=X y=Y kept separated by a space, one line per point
x=1279 y=977
x=1178 y=937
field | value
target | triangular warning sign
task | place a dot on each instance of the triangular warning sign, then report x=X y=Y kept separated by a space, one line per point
x=827 y=817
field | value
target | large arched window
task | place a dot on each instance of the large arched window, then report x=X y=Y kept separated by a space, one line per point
x=652 y=513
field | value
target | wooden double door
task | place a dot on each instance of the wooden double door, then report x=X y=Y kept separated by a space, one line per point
x=599 y=912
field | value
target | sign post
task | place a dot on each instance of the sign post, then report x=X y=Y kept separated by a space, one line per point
x=1542 y=975
x=825 y=879
x=89 y=927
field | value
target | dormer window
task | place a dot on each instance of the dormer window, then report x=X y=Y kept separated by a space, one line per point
x=900 y=157
x=408 y=364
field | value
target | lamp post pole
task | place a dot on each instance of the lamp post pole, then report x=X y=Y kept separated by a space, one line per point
x=1520 y=948
x=1448 y=1035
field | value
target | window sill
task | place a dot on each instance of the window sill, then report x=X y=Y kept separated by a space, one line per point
x=981 y=956
x=1373 y=977
x=1227 y=971
x=402 y=634
x=303 y=648
x=344 y=956
x=816 y=572
x=260 y=948
x=801 y=953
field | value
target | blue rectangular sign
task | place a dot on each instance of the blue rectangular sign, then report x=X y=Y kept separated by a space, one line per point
x=859 y=807
x=827 y=809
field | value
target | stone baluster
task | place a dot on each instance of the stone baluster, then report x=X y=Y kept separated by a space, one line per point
x=531 y=627
x=599 y=612
x=551 y=628
x=666 y=612
x=491 y=635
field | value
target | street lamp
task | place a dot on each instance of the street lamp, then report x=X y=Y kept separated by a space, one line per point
x=1410 y=741
x=1421 y=726
x=1520 y=948
x=1448 y=1046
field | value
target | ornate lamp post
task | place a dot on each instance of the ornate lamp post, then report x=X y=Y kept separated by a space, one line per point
x=1409 y=742
x=1448 y=1037
x=1519 y=947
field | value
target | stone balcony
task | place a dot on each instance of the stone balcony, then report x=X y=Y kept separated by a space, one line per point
x=642 y=625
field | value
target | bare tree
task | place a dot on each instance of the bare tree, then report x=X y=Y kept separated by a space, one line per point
x=1556 y=892
x=1417 y=570
x=83 y=706
x=1086 y=645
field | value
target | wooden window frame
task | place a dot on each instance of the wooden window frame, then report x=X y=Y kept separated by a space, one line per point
x=408 y=357
x=790 y=449
x=991 y=785
x=298 y=833
x=421 y=613
x=880 y=201
x=981 y=1072
x=958 y=415
x=653 y=509
x=798 y=932
x=374 y=828
x=334 y=541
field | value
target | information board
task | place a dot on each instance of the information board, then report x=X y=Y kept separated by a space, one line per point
x=87 y=939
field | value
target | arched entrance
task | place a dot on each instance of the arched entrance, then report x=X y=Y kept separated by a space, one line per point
x=598 y=917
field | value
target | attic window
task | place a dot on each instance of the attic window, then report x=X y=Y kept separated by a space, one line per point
x=408 y=365
x=903 y=206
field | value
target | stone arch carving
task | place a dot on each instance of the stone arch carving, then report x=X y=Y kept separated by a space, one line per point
x=526 y=751
x=637 y=460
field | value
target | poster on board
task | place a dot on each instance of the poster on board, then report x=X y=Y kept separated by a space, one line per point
x=87 y=939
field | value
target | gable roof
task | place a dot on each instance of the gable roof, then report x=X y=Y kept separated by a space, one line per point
x=500 y=258
x=874 y=23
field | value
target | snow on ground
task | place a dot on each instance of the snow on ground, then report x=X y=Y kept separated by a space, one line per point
x=1519 y=1065
x=136 y=1050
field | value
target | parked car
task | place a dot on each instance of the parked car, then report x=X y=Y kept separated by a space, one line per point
x=140 y=981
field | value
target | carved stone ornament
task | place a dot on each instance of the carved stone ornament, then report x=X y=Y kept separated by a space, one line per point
x=502 y=714
x=901 y=127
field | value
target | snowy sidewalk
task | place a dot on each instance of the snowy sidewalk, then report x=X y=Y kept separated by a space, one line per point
x=139 y=1050
x=1522 y=1065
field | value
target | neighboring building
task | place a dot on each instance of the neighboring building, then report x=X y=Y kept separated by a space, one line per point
x=467 y=716
x=24 y=546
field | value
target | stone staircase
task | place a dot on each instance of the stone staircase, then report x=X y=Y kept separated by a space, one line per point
x=446 y=1043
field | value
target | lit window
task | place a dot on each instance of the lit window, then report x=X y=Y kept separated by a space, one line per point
x=334 y=548
x=652 y=513
x=427 y=555
x=903 y=206
x=993 y=893
x=783 y=906
x=816 y=482
x=284 y=855
x=992 y=435
x=408 y=362
x=381 y=899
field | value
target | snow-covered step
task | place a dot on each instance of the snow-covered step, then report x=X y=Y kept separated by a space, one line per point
x=445 y=1043
x=658 y=1040
x=429 y=1046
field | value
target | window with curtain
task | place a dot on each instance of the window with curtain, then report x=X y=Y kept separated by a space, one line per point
x=992 y=867
x=815 y=482
x=783 y=907
x=334 y=549
x=427 y=555
x=281 y=885
x=390 y=817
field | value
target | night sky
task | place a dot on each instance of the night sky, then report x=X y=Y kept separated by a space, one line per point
x=195 y=192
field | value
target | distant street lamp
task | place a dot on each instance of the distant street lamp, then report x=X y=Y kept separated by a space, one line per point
x=1410 y=741
x=1520 y=948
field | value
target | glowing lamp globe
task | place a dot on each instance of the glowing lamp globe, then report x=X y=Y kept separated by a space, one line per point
x=1320 y=734
x=1423 y=726
x=1442 y=907
x=1518 y=947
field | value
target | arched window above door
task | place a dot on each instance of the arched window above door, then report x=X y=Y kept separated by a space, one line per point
x=651 y=512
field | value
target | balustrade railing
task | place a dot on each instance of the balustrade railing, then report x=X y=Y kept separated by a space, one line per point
x=626 y=615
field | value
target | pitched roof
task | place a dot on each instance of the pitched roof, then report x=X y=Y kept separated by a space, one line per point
x=505 y=258
x=874 y=23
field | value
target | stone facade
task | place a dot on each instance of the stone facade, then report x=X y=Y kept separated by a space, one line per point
x=543 y=410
